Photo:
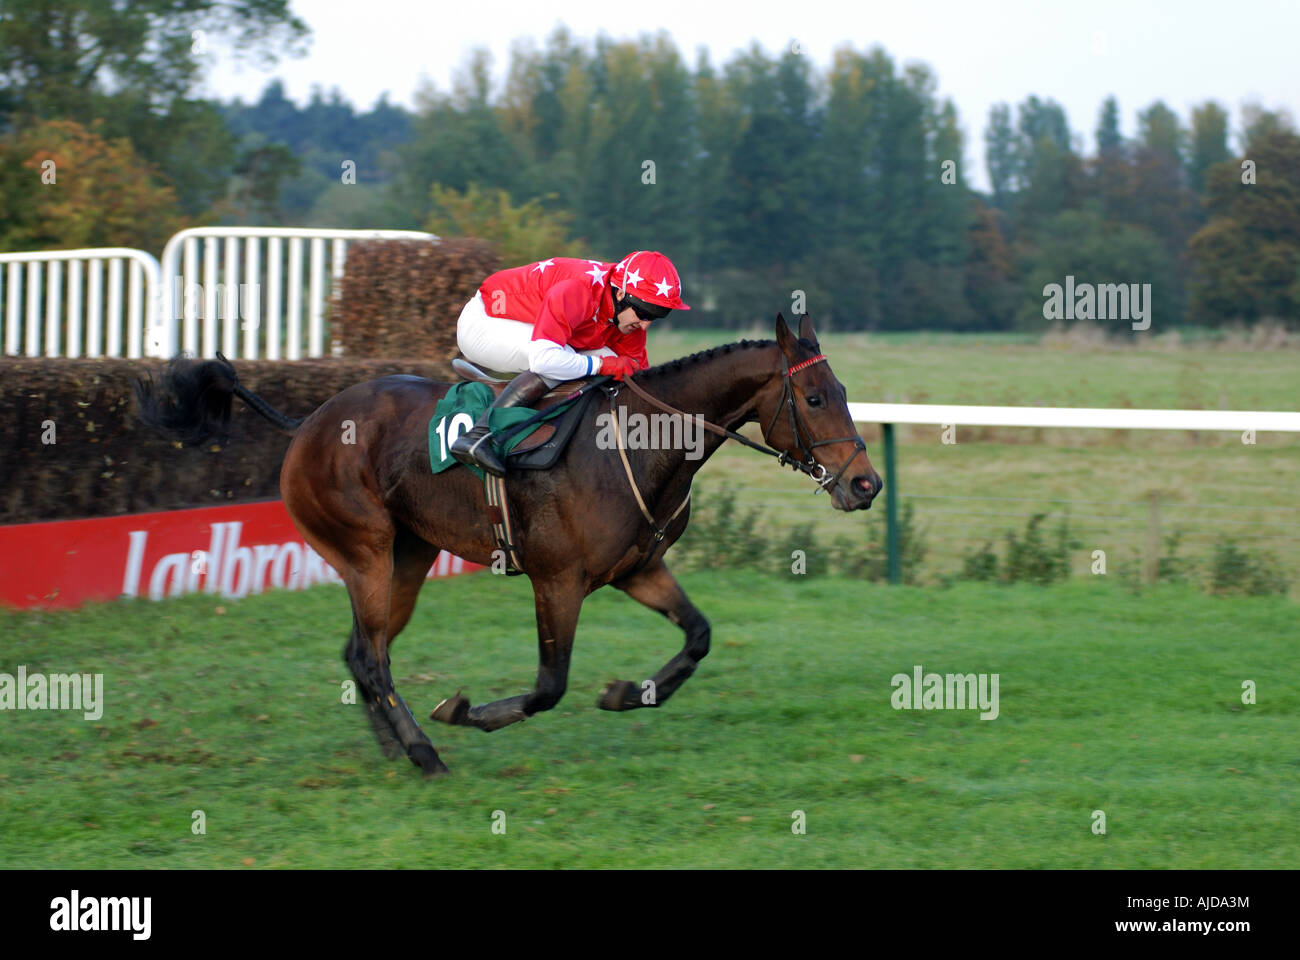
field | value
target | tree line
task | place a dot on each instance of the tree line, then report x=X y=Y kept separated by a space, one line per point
x=771 y=181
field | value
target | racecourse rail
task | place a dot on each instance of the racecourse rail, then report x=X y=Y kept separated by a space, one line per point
x=890 y=414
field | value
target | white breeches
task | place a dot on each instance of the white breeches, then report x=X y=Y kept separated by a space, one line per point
x=500 y=343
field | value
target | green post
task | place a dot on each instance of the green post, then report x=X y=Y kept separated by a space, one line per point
x=891 y=508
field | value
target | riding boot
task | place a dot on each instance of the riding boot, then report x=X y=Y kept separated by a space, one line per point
x=475 y=447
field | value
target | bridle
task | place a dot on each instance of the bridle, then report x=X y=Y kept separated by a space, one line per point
x=808 y=464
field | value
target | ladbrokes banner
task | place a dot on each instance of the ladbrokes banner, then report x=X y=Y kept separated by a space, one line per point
x=230 y=551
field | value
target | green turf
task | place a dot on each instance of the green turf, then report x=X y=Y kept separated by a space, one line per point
x=1111 y=701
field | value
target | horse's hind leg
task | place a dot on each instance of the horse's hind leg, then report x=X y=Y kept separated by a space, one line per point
x=659 y=590
x=368 y=573
x=354 y=656
x=412 y=558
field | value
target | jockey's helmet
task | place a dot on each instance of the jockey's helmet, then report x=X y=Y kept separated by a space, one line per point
x=650 y=285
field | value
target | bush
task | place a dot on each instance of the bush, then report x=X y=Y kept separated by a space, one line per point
x=980 y=565
x=869 y=559
x=1033 y=559
x=1234 y=570
x=1030 y=556
x=816 y=560
x=1172 y=568
x=716 y=538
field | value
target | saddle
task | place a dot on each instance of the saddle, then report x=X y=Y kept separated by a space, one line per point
x=545 y=441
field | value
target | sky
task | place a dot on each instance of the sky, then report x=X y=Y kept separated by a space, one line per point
x=1181 y=51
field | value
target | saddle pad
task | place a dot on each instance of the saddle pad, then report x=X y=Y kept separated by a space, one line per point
x=535 y=447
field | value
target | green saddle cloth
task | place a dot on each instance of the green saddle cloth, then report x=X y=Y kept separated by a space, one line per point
x=459 y=410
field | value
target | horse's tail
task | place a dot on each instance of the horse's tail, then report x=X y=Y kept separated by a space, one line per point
x=192 y=400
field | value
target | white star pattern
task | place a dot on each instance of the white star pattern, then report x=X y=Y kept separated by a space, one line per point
x=662 y=288
x=544 y=264
x=595 y=272
x=632 y=278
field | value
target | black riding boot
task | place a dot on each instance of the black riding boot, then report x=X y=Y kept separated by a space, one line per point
x=475 y=447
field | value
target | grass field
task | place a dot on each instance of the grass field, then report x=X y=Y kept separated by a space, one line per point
x=1128 y=704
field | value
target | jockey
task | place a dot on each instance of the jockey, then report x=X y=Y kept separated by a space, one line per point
x=561 y=319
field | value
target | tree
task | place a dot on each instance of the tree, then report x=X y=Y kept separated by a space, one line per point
x=1083 y=244
x=521 y=234
x=102 y=193
x=1247 y=256
x=1209 y=143
x=131 y=65
x=1000 y=154
x=60 y=56
x=259 y=174
x=1110 y=167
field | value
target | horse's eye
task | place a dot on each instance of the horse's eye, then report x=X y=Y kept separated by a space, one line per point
x=815 y=400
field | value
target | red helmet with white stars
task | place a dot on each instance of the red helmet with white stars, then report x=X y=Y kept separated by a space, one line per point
x=649 y=277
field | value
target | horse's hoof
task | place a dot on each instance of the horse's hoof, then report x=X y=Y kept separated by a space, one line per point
x=453 y=710
x=619 y=695
x=427 y=759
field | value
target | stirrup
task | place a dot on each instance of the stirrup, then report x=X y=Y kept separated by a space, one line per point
x=475 y=449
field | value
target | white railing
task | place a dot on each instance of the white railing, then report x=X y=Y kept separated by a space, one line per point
x=1070 y=417
x=208 y=304
x=891 y=414
x=70 y=309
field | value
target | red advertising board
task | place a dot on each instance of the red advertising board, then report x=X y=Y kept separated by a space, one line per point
x=229 y=551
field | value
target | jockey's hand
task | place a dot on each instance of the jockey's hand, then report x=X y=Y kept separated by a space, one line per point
x=617 y=367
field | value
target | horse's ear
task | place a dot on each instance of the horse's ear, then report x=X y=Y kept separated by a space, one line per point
x=784 y=338
x=806 y=330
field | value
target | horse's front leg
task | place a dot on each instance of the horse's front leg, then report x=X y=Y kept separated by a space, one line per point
x=558 y=602
x=659 y=590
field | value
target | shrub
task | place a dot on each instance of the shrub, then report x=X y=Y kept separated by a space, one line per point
x=980 y=565
x=1234 y=570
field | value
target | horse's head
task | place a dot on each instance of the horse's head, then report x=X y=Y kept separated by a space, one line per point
x=808 y=419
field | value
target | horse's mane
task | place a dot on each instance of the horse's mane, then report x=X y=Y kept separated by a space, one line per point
x=681 y=363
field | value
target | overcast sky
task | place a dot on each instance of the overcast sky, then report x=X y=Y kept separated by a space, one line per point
x=1181 y=51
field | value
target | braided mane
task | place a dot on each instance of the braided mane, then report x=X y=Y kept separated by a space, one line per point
x=681 y=363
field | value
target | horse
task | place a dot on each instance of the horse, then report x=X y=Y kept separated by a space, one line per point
x=378 y=514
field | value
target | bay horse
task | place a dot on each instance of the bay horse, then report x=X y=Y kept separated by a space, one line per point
x=375 y=511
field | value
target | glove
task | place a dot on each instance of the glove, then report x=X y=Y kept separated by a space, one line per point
x=617 y=367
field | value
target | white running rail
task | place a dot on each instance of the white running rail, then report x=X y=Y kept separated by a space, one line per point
x=208 y=304
x=1098 y=417
x=45 y=310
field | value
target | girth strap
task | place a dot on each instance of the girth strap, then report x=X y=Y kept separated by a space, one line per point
x=498 y=509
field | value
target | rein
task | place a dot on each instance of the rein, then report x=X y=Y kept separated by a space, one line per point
x=808 y=465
